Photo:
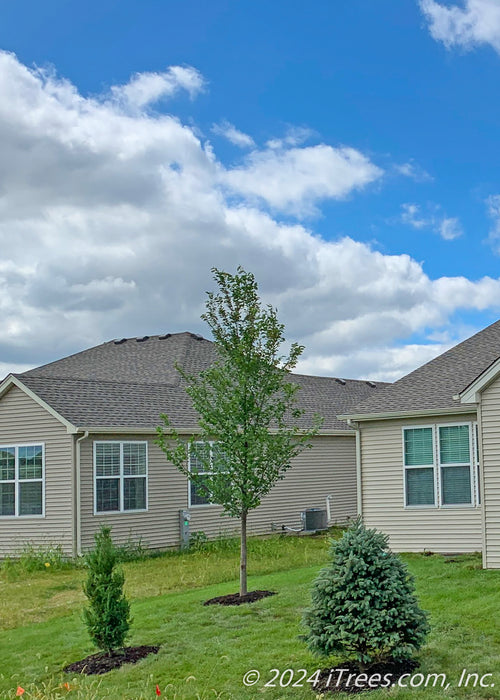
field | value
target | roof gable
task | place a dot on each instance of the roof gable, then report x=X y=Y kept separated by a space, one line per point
x=11 y=381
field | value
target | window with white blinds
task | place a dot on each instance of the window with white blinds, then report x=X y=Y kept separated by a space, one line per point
x=22 y=479
x=120 y=476
x=204 y=459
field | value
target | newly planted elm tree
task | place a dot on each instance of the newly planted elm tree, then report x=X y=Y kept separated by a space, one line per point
x=363 y=603
x=246 y=402
x=107 y=616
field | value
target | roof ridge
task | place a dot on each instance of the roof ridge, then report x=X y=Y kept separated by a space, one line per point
x=323 y=376
x=154 y=336
x=185 y=353
x=30 y=372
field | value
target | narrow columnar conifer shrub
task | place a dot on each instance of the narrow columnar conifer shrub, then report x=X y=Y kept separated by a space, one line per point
x=107 y=616
x=363 y=604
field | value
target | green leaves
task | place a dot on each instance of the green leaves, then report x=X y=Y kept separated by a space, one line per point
x=107 y=616
x=363 y=604
x=245 y=400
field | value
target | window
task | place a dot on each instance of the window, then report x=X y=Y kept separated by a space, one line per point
x=120 y=470
x=419 y=467
x=21 y=480
x=455 y=463
x=204 y=458
x=438 y=465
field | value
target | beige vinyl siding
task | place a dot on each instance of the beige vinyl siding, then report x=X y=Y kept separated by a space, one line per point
x=450 y=529
x=327 y=468
x=490 y=425
x=158 y=527
x=22 y=420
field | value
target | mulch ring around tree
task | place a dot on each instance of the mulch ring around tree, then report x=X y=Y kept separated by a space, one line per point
x=350 y=678
x=96 y=664
x=237 y=599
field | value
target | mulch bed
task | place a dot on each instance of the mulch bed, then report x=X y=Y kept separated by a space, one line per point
x=236 y=599
x=96 y=664
x=333 y=681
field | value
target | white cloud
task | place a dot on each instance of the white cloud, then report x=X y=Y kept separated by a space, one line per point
x=145 y=89
x=493 y=204
x=294 y=136
x=391 y=363
x=232 y=134
x=294 y=180
x=411 y=215
x=475 y=22
x=413 y=171
x=448 y=227
x=110 y=221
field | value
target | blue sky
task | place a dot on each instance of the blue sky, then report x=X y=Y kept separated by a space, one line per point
x=408 y=87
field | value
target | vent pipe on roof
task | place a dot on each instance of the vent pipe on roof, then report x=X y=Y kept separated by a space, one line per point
x=119 y=342
x=340 y=381
x=372 y=384
x=141 y=340
x=164 y=337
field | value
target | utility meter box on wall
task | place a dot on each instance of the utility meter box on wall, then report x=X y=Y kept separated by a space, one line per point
x=184 y=518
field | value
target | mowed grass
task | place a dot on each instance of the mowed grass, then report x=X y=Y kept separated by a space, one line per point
x=205 y=651
x=43 y=595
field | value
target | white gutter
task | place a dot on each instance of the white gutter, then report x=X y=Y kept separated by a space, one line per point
x=117 y=430
x=408 y=414
x=78 y=499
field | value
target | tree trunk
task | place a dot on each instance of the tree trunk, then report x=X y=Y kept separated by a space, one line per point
x=243 y=555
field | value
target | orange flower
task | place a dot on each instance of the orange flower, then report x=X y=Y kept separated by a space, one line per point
x=66 y=686
x=20 y=691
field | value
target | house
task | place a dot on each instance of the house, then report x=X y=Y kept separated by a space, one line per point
x=429 y=453
x=77 y=449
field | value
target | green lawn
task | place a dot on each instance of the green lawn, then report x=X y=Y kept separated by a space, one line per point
x=206 y=650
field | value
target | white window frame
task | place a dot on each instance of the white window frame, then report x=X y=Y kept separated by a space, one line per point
x=469 y=464
x=16 y=481
x=211 y=471
x=121 y=477
x=477 y=477
x=421 y=466
x=437 y=466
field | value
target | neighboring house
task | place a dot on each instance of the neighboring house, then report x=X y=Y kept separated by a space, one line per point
x=429 y=453
x=77 y=449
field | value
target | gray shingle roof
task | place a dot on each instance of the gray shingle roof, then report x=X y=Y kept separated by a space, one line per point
x=433 y=385
x=128 y=384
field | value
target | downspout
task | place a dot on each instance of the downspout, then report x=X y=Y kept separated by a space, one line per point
x=481 y=480
x=359 y=489
x=78 y=498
